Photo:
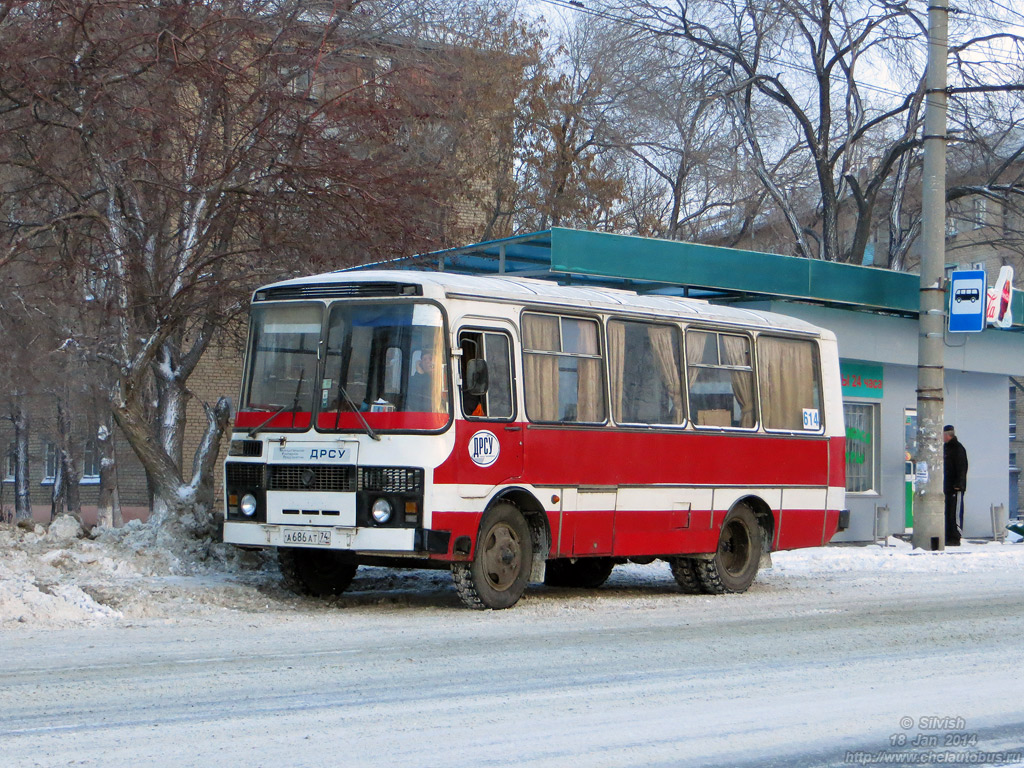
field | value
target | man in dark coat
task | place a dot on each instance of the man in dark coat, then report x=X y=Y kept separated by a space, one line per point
x=954 y=483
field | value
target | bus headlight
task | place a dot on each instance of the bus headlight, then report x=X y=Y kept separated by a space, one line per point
x=381 y=511
x=247 y=506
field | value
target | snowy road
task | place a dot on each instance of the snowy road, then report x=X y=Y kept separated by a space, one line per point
x=820 y=663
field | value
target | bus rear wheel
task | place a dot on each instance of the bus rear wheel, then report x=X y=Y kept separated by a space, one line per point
x=500 y=570
x=684 y=570
x=734 y=565
x=585 y=573
x=316 y=572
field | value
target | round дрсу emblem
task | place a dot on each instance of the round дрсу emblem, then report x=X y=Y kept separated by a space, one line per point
x=484 y=448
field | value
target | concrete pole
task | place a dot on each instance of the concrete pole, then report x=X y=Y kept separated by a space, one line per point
x=929 y=504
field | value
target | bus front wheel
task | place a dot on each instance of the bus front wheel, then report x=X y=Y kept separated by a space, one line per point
x=498 y=574
x=316 y=572
x=734 y=565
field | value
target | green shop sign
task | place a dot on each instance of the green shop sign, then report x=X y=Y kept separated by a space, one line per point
x=858 y=445
x=861 y=379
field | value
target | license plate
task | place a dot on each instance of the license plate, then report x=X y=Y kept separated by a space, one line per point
x=307 y=538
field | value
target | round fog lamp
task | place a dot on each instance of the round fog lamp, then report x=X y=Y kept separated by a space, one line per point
x=381 y=511
x=248 y=505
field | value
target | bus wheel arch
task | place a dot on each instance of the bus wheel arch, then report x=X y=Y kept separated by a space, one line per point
x=497 y=575
x=733 y=566
x=537 y=519
x=765 y=519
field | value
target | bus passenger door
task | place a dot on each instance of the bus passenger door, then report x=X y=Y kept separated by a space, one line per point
x=487 y=399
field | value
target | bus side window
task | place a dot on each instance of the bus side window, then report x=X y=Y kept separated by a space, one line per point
x=720 y=376
x=494 y=349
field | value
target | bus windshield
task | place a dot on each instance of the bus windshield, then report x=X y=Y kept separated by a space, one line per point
x=385 y=361
x=283 y=366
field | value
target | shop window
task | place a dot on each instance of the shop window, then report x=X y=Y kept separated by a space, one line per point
x=861 y=446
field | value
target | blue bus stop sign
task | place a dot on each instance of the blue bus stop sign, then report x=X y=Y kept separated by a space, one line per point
x=967 y=297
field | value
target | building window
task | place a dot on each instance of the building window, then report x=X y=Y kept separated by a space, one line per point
x=90 y=463
x=11 y=464
x=861 y=442
x=1013 y=411
x=980 y=212
x=49 y=463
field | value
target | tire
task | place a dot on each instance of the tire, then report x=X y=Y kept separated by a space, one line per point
x=316 y=572
x=585 y=573
x=500 y=570
x=734 y=565
x=684 y=570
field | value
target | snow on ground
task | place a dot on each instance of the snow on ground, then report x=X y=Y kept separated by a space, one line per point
x=61 y=577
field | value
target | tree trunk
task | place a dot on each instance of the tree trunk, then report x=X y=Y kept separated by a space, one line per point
x=66 y=460
x=57 y=492
x=177 y=505
x=22 y=498
x=108 y=513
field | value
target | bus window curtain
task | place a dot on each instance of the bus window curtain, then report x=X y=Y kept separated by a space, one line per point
x=540 y=332
x=662 y=339
x=590 y=376
x=695 y=343
x=617 y=365
x=788 y=381
x=736 y=351
x=590 y=388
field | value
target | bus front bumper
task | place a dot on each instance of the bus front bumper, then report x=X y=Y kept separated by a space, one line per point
x=371 y=540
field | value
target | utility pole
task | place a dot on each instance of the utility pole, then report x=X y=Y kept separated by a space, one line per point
x=929 y=502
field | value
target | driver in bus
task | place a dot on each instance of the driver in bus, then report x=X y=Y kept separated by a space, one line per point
x=423 y=389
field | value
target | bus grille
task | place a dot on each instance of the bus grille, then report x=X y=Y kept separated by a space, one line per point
x=311 y=477
x=241 y=475
x=250 y=448
x=391 y=479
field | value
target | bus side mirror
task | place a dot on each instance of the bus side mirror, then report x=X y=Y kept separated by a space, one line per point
x=476 y=377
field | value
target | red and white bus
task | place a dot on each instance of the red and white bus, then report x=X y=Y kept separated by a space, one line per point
x=517 y=431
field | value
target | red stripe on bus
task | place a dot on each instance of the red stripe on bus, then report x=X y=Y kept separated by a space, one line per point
x=347 y=422
x=571 y=457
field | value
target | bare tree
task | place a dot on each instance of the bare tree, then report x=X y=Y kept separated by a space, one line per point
x=809 y=60
x=167 y=157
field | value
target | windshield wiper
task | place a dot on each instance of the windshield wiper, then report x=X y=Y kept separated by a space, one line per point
x=295 y=407
x=356 y=411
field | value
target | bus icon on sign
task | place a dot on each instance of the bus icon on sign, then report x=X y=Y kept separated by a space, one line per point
x=967 y=294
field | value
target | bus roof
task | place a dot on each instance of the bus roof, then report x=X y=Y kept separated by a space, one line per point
x=440 y=285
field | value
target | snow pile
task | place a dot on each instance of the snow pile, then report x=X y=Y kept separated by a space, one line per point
x=60 y=577
x=57 y=576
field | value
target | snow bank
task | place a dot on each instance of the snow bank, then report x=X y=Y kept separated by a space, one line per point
x=59 y=577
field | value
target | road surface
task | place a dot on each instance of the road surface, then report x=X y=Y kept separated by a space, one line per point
x=807 y=669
